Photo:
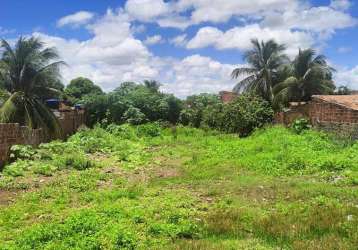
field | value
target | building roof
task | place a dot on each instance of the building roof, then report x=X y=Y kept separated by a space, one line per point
x=348 y=101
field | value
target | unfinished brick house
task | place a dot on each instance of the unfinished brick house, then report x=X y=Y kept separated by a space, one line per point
x=329 y=112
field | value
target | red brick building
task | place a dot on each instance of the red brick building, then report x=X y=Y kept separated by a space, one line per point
x=329 y=112
x=227 y=96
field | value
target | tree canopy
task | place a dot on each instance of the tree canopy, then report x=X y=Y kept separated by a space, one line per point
x=81 y=86
x=29 y=72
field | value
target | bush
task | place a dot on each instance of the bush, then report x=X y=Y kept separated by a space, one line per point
x=125 y=131
x=149 y=129
x=75 y=160
x=196 y=105
x=21 y=152
x=134 y=116
x=300 y=125
x=242 y=115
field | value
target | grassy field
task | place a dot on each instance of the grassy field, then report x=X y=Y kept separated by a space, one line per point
x=144 y=188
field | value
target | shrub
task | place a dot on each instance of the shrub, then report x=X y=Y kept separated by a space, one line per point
x=16 y=168
x=149 y=129
x=134 y=116
x=124 y=131
x=74 y=160
x=195 y=106
x=300 y=125
x=43 y=169
x=126 y=240
x=21 y=152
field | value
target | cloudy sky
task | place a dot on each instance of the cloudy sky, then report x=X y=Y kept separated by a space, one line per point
x=191 y=46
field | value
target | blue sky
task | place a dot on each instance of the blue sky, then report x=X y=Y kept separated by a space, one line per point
x=191 y=46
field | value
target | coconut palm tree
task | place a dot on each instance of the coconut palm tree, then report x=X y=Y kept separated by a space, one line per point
x=264 y=60
x=27 y=71
x=309 y=75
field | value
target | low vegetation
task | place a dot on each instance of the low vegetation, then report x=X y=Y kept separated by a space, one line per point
x=147 y=187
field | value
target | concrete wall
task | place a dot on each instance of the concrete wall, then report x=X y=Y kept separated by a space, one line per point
x=13 y=134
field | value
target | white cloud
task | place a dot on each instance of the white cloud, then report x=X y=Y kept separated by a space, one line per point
x=347 y=77
x=4 y=31
x=137 y=29
x=111 y=56
x=344 y=49
x=341 y=4
x=316 y=19
x=147 y=10
x=239 y=38
x=179 y=41
x=198 y=74
x=221 y=11
x=151 y=40
x=76 y=19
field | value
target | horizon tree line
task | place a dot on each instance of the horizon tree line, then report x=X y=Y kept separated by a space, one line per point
x=30 y=73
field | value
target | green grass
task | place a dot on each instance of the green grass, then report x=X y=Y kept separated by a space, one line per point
x=148 y=188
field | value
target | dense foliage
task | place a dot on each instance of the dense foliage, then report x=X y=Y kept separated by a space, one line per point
x=144 y=187
x=80 y=87
x=29 y=72
x=278 y=80
x=264 y=59
x=132 y=103
x=307 y=75
x=244 y=114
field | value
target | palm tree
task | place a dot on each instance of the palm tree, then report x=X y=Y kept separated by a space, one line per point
x=264 y=61
x=309 y=75
x=152 y=85
x=27 y=71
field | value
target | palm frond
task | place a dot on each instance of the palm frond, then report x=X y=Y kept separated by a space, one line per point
x=242 y=71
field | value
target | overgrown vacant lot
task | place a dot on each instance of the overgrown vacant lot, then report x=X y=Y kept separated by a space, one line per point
x=148 y=188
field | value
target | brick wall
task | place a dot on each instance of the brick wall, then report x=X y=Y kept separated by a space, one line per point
x=227 y=96
x=321 y=111
x=71 y=120
x=324 y=115
x=295 y=112
x=334 y=118
x=13 y=133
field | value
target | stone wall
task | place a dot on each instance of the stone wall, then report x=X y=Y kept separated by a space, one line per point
x=13 y=134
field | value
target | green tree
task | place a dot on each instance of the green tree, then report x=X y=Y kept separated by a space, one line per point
x=27 y=71
x=194 y=107
x=152 y=85
x=81 y=86
x=308 y=75
x=343 y=90
x=260 y=76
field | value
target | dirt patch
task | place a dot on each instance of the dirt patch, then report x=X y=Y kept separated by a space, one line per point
x=6 y=197
x=168 y=173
